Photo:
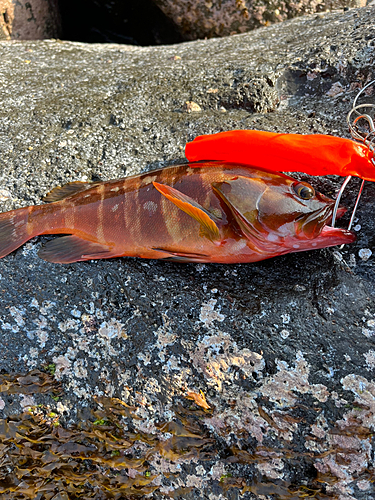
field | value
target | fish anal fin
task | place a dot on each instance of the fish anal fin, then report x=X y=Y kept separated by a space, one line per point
x=67 y=249
x=192 y=208
x=61 y=192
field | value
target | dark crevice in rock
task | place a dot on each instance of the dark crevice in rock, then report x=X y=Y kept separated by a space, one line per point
x=135 y=23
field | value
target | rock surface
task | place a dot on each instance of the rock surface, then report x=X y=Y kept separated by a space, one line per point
x=283 y=351
x=29 y=20
x=212 y=18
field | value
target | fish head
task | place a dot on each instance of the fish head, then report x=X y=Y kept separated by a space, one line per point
x=298 y=216
x=279 y=214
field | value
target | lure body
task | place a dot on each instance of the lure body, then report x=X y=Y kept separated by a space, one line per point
x=312 y=154
x=214 y=212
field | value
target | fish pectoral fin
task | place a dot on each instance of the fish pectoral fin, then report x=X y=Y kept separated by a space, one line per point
x=67 y=249
x=61 y=192
x=183 y=256
x=192 y=208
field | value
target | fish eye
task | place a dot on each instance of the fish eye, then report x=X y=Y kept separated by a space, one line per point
x=303 y=190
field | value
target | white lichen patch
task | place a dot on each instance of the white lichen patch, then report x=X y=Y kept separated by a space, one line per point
x=369 y=329
x=26 y=401
x=271 y=468
x=62 y=366
x=217 y=471
x=76 y=313
x=284 y=334
x=112 y=329
x=370 y=359
x=213 y=358
x=282 y=387
x=17 y=315
x=79 y=368
x=69 y=324
x=34 y=303
x=336 y=89
x=242 y=414
x=2 y=404
x=165 y=337
x=285 y=318
x=364 y=485
x=350 y=453
x=144 y=357
x=208 y=313
x=364 y=392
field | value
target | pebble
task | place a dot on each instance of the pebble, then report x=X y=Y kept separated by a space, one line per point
x=4 y=195
x=365 y=254
x=192 y=107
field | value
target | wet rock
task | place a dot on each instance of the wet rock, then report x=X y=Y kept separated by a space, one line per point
x=203 y=18
x=29 y=20
x=214 y=381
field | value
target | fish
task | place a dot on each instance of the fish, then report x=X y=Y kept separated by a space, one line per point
x=221 y=212
x=313 y=154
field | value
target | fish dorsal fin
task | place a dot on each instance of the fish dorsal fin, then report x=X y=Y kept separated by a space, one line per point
x=192 y=208
x=60 y=192
x=67 y=249
x=242 y=196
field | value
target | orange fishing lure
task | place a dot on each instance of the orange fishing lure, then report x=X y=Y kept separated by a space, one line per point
x=313 y=154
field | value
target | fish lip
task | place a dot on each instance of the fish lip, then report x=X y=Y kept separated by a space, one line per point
x=328 y=237
x=336 y=236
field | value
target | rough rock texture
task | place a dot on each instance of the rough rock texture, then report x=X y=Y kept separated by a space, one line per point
x=211 y=18
x=283 y=351
x=29 y=20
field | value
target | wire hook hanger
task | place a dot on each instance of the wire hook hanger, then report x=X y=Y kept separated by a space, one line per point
x=362 y=129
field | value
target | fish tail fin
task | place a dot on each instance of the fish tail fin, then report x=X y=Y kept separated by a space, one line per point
x=14 y=230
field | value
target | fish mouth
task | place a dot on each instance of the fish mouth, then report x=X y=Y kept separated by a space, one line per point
x=329 y=237
x=340 y=212
x=313 y=225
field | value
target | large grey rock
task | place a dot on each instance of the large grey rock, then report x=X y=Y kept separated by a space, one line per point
x=210 y=18
x=283 y=350
x=29 y=20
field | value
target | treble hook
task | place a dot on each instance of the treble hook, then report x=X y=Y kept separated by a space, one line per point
x=367 y=138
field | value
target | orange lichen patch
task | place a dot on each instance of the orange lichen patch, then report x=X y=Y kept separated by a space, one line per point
x=32 y=383
x=198 y=398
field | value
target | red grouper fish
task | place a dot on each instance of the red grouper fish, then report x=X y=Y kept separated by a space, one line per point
x=214 y=212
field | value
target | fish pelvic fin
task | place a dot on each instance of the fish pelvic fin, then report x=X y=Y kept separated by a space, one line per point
x=61 y=192
x=183 y=256
x=68 y=249
x=194 y=209
x=14 y=230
